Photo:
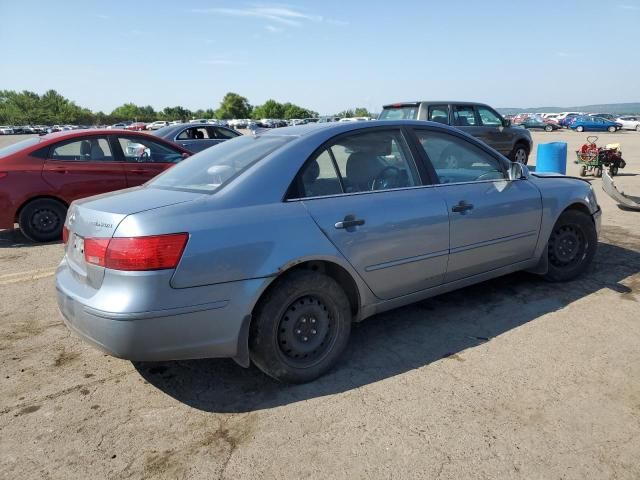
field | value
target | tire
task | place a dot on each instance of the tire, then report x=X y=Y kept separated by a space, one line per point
x=301 y=305
x=571 y=246
x=580 y=128
x=597 y=172
x=41 y=220
x=520 y=153
x=613 y=170
x=583 y=171
x=638 y=128
x=612 y=129
x=548 y=128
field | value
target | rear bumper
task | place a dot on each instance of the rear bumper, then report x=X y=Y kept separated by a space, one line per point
x=200 y=330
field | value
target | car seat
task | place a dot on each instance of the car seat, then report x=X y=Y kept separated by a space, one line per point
x=199 y=135
x=362 y=169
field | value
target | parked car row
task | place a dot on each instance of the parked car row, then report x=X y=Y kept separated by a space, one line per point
x=579 y=121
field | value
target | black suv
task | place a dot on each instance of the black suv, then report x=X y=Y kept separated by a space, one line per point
x=476 y=119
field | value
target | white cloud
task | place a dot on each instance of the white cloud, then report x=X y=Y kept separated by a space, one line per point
x=562 y=54
x=284 y=16
x=272 y=29
x=627 y=6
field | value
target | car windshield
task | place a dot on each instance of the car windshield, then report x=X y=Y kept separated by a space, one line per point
x=214 y=167
x=6 y=151
x=401 y=112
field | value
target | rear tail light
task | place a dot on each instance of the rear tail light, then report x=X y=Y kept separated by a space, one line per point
x=156 y=252
x=65 y=234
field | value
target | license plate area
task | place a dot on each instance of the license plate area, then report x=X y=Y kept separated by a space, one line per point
x=76 y=249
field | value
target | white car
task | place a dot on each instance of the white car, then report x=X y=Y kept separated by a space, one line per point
x=157 y=125
x=4 y=130
x=630 y=122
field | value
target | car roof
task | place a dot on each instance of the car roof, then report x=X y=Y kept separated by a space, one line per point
x=92 y=131
x=335 y=128
x=434 y=102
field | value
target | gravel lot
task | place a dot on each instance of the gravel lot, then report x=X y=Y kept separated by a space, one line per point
x=514 y=378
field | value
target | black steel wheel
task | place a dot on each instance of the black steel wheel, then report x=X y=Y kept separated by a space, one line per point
x=300 y=327
x=520 y=154
x=571 y=245
x=41 y=220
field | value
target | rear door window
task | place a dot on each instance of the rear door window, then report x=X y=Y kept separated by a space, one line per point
x=439 y=113
x=88 y=149
x=464 y=116
x=221 y=133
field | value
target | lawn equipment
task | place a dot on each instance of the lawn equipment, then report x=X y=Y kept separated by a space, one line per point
x=594 y=159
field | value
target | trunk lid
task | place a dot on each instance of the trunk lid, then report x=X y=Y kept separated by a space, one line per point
x=99 y=217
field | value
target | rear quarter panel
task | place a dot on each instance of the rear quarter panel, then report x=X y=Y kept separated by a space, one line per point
x=233 y=244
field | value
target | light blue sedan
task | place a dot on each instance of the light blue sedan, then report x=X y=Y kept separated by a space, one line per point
x=268 y=247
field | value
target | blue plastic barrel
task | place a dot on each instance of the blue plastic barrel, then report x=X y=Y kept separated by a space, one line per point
x=552 y=157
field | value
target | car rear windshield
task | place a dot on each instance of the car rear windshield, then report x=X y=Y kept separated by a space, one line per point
x=399 y=112
x=216 y=166
x=6 y=151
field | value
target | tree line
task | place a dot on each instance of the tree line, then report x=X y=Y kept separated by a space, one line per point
x=51 y=108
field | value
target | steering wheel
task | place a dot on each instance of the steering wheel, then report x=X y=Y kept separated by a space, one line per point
x=383 y=180
x=144 y=156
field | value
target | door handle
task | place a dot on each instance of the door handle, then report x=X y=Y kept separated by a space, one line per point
x=349 y=221
x=137 y=170
x=59 y=170
x=462 y=207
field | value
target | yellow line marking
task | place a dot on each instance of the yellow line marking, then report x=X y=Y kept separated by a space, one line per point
x=27 y=276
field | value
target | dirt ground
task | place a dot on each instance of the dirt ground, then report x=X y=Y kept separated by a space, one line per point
x=515 y=378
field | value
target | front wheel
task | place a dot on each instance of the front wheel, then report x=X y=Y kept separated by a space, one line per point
x=41 y=220
x=580 y=128
x=571 y=246
x=520 y=154
x=612 y=129
x=583 y=171
x=301 y=327
x=548 y=128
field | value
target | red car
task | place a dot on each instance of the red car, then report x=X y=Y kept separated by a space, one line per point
x=41 y=176
x=136 y=127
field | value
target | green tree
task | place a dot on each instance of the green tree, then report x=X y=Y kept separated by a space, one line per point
x=346 y=114
x=269 y=109
x=176 y=113
x=233 y=106
x=361 y=112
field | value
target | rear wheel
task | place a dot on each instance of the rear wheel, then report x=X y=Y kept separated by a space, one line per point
x=300 y=328
x=612 y=129
x=597 y=172
x=613 y=170
x=520 y=154
x=548 y=128
x=638 y=128
x=580 y=128
x=571 y=246
x=42 y=220
x=583 y=171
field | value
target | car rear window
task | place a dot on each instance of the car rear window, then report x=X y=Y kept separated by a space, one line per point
x=6 y=151
x=214 y=167
x=399 y=112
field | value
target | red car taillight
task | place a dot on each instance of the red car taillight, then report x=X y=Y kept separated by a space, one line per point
x=65 y=234
x=136 y=253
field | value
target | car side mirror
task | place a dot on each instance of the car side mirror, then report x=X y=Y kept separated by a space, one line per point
x=518 y=171
x=506 y=123
x=185 y=155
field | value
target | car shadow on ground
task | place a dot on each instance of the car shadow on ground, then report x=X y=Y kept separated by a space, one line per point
x=396 y=342
x=15 y=239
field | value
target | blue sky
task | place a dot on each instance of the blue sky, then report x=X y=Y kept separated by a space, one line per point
x=327 y=55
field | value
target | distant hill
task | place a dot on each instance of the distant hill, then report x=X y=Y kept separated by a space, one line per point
x=621 y=108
